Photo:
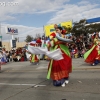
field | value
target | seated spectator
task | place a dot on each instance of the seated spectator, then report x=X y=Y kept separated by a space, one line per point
x=14 y=57
x=22 y=57
x=83 y=51
x=7 y=56
x=2 y=58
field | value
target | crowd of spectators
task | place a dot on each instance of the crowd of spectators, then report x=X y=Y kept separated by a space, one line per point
x=14 y=55
x=81 y=43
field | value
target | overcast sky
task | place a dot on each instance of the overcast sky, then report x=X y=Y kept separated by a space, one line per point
x=29 y=16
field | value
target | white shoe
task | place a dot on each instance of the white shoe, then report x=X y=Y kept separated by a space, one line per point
x=67 y=81
x=93 y=64
x=63 y=85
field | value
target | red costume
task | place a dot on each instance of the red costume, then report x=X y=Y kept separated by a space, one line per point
x=93 y=54
x=60 y=69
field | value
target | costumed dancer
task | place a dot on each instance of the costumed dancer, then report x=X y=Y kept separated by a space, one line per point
x=4 y=58
x=92 y=56
x=58 y=70
x=34 y=59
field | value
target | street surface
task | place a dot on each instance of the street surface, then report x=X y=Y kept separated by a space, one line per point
x=24 y=81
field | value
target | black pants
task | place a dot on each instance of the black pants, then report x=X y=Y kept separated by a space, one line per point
x=15 y=59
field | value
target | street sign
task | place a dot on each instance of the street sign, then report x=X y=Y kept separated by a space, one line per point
x=1 y=37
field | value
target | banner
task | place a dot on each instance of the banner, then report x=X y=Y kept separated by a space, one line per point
x=50 y=28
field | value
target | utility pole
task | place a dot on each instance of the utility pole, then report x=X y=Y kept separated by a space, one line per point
x=0 y=36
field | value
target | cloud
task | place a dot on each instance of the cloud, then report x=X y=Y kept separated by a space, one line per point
x=84 y=2
x=63 y=10
x=75 y=12
x=8 y=9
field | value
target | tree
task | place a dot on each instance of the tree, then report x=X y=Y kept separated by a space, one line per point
x=79 y=27
x=37 y=35
x=28 y=38
x=93 y=28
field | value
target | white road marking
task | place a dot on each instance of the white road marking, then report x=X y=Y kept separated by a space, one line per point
x=17 y=84
x=22 y=84
x=42 y=67
x=39 y=85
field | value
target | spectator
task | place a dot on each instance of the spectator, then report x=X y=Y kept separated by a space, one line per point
x=14 y=57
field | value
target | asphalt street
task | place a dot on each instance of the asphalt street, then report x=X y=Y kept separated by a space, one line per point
x=24 y=81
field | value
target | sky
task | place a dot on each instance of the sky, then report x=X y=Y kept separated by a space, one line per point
x=29 y=16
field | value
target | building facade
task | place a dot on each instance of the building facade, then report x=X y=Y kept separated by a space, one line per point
x=8 y=47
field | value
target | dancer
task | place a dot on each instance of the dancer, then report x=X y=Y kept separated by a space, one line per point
x=93 y=55
x=59 y=69
x=34 y=59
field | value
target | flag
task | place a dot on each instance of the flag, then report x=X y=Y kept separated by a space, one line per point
x=49 y=29
x=67 y=24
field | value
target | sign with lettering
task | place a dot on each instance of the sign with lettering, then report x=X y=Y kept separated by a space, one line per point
x=11 y=30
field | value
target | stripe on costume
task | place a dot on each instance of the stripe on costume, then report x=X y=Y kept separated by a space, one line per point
x=49 y=71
